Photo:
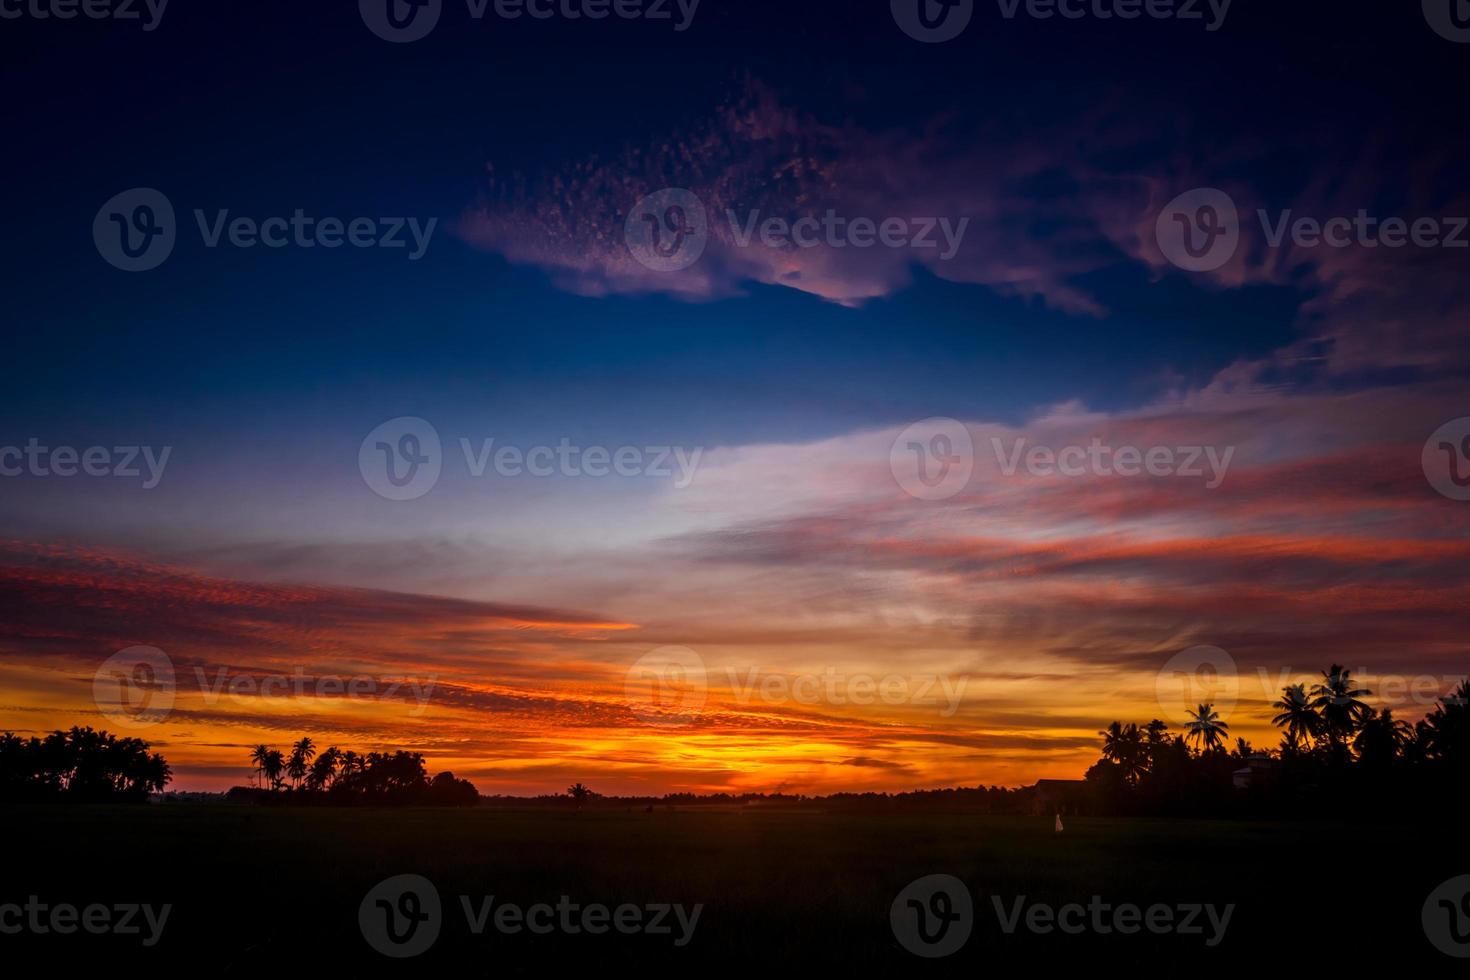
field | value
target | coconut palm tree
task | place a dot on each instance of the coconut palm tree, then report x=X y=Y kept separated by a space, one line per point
x=323 y=769
x=1444 y=734
x=1124 y=746
x=1336 y=699
x=580 y=794
x=1205 y=727
x=260 y=755
x=275 y=764
x=1381 y=737
x=301 y=755
x=1298 y=717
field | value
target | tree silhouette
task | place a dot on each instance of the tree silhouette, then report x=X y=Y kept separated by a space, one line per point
x=275 y=765
x=1381 y=738
x=260 y=755
x=323 y=769
x=301 y=755
x=1444 y=734
x=1124 y=746
x=387 y=778
x=1336 y=700
x=1298 y=717
x=1206 y=727
x=80 y=764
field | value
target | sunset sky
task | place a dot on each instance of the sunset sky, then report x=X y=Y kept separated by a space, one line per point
x=1005 y=622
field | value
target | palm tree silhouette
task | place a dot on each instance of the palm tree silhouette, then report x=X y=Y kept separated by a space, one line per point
x=275 y=764
x=1337 y=700
x=580 y=794
x=1298 y=717
x=1124 y=746
x=323 y=769
x=301 y=755
x=260 y=755
x=1206 y=727
x=1382 y=737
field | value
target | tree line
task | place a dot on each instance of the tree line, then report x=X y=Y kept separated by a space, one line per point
x=341 y=777
x=1336 y=751
x=80 y=765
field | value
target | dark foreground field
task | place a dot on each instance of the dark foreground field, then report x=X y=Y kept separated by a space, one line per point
x=258 y=889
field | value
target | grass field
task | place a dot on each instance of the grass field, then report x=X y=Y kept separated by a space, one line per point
x=256 y=887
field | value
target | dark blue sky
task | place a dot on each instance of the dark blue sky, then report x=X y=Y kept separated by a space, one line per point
x=265 y=107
